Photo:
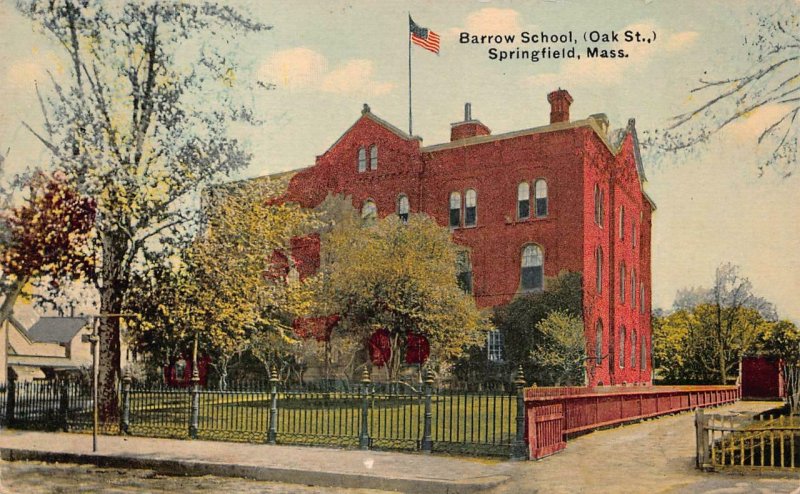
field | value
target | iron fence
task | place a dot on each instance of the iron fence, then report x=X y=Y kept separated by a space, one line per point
x=364 y=414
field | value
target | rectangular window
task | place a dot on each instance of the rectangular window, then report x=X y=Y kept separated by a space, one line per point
x=494 y=346
x=455 y=218
x=524 y=210
x=541 y=207
x=532 y=278
x=470 y=215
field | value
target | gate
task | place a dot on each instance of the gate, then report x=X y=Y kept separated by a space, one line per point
x=545 y=431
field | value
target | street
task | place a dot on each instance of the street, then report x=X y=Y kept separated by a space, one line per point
x=42 y=478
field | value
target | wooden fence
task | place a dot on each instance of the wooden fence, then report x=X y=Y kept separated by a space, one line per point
x=747 y=441
x=555 y=413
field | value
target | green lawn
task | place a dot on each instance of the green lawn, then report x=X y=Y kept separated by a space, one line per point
x=460 y=423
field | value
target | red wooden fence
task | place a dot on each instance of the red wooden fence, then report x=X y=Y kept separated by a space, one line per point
x=553 y=413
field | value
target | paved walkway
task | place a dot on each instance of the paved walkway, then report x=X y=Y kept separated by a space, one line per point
x=656 y=456
x=291 y=464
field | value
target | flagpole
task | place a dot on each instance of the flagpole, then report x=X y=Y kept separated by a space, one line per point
x=410 y=128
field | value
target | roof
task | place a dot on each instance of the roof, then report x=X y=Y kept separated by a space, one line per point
x=56 y=329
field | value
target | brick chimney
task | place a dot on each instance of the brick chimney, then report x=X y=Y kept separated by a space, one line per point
x=469 y=127
x=559 y=105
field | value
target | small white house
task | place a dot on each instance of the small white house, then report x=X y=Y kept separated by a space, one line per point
x=38 y=347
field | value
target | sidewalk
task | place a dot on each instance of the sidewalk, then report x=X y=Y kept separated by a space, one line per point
x=291 y=464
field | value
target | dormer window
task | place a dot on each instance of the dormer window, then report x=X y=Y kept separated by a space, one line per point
x=373 y=158
x=403 y=207
x=362 y=160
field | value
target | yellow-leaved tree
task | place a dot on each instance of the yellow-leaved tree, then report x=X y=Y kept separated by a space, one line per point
x=398 y=278
x=234 y=284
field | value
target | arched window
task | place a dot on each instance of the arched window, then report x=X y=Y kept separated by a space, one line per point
x=641 y=299
x=373 y=157
x=622 y=282
x=369 y=211
x=540 y=191
x=362 y=160
x=633 y=349
x=633 y=232
x=633 y=288
x=621 y=347
x=598 y=255
x=598 y=342
x=455 y=209
x=523 y=201
x=470 y=208
x=643 y=354
x=598 y=205
x=403 y=207
x=532 y=268
x=622 y=222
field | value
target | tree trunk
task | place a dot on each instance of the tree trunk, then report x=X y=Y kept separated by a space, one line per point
x=110 y=355
x=723 y=371
x=114 y=277
x=11 y=295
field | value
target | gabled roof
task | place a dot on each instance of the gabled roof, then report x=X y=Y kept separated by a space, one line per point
x=367 y=112
x=56 y=329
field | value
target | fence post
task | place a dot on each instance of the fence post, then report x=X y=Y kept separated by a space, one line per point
x=427 y=441
x=519 y=451
x=125 y=424
x=194 y=419
x=363 y=438
x=63 y=404
x=272 y=434
x=702 y=438
x=11 y=398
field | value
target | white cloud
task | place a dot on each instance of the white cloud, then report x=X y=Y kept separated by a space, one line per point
x=493 y=21
x=751 y=125
x=680 y=41
x=609 y=71
x=294 y=68
x=305 y=69
x=354 y=76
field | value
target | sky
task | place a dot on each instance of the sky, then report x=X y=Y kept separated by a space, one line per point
x=328 y=58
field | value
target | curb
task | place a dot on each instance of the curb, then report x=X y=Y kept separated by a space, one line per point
x=266 y=473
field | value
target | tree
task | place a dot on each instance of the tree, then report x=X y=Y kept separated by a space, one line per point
x=528 y=343
x=562 y=350
x=48 y=236
x=228 y=292
x=401 y=278
x=770 y=81
x=704 y=338
x=138 y=123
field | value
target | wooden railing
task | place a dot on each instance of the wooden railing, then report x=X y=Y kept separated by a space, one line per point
x=747 y=441
x=584 y=409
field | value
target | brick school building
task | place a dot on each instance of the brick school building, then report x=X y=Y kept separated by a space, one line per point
x=526 y=205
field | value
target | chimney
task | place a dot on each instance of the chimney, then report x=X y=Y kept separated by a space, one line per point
x=469 y=127
x=559 y=105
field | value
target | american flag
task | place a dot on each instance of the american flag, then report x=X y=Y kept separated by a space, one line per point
x=423 y=37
